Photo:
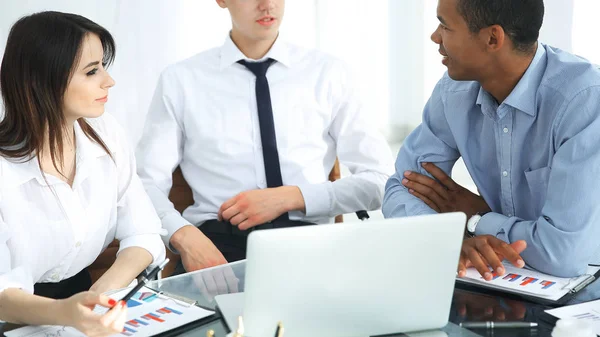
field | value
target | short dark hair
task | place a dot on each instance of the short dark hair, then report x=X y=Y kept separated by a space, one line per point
x=520 y=19
x=41 y=55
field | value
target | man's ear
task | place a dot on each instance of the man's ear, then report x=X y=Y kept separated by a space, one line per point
x=494 y=37
x=221 y=3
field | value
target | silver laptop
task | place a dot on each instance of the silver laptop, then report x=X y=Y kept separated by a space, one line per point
x=356 y=279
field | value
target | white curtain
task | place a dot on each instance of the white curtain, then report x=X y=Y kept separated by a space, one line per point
x=385 y=43
x=152 y=34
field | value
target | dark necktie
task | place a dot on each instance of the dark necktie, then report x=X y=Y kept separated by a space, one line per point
x=266 y=123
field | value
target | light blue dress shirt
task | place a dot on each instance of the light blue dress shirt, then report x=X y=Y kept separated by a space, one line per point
x=535 y=158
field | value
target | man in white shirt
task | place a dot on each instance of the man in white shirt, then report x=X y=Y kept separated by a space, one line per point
x=256 y=126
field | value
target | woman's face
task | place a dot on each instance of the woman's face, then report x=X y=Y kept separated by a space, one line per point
x=87 y=91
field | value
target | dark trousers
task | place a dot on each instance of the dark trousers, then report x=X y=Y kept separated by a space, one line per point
x=66 y=288
x=231 y=241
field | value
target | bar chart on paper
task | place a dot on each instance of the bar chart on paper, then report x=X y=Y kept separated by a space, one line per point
x=529 y=282
x=589 y=311
x=521 y=281
x=148 y=314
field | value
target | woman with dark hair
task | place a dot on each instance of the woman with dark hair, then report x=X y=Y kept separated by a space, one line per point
x=68 y=185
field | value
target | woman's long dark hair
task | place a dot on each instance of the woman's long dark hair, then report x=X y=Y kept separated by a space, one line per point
x=41 y=55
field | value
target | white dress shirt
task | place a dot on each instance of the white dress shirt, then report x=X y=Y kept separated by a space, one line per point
x=204 y=118
x=48 y=237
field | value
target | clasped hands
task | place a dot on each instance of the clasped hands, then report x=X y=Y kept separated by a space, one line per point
x=442 y=194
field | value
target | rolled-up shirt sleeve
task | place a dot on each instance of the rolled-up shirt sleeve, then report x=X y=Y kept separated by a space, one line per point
x=430 y=142
x=138 y=224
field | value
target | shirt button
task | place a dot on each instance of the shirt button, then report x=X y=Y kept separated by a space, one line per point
x=505 y=130
x=505 y=174
x=509 y=215
x=78 y=244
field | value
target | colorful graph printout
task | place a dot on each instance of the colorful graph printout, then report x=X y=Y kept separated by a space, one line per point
x=511 y=277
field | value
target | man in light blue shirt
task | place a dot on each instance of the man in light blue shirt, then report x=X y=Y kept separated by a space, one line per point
x=525 y=118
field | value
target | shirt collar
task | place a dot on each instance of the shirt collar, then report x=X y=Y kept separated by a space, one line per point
x=89 y=149
x=16 y=172
x=19 y=171
x=230 y=53
x=523 y=96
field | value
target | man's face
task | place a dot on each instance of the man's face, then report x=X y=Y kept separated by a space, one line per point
x=464 y=52
x=255 y=19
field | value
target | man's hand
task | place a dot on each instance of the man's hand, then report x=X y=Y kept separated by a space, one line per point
x=443 y=195
x=256 y=207
x=196 y=250
x=485 y=251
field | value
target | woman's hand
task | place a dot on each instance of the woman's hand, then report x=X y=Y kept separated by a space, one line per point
x=77 y=311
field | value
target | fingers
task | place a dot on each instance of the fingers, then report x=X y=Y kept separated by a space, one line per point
x=425 y=200
x=425 y=186
x=462 y=266
x=232 y=281
x=106 y=301
x=440 y=175
x=519 y=246
x=507 y=251
x=499 y=314
x=478 y=262
x=462 y=310
x=113 y=319
x=489 y=254
x=247 y=224
x=236 y=219
x=119 y=322
x=92 y=299
x=229 y=213
x=199 y=281
x=211 y=286
x=518 y=310
x=226 y=206
x=220 y=281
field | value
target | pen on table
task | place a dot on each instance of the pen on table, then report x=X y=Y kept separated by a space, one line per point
x=492 y=325
x=145 y=280
x=279 y=331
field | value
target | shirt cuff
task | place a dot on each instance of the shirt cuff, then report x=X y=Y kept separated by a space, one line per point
x=19 y=278
x=318 y=198
x=492 y=224
x=150 y=242
x=172 y=223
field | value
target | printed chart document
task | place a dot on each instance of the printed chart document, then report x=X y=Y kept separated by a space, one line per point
x=531 y=283
x=587 y=311
x=148 y=314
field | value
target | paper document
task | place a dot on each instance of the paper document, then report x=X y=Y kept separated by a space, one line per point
x=589 y=311
x=530 y=282
x=148 y=314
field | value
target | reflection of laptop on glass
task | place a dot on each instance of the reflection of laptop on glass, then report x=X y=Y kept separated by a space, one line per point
x=358 y=279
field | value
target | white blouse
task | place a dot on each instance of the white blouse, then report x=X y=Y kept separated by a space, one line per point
x=50 y=231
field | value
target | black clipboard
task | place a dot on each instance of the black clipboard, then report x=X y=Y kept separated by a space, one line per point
x=530 y=298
